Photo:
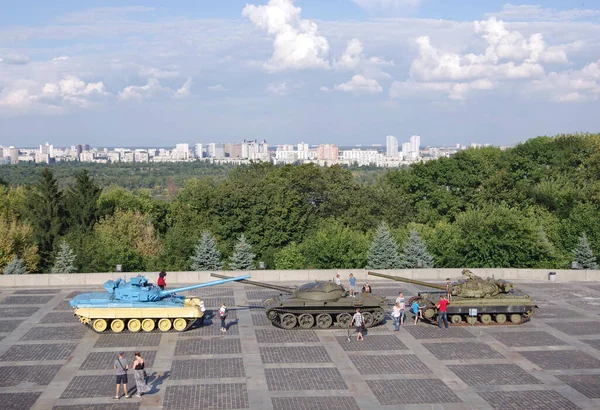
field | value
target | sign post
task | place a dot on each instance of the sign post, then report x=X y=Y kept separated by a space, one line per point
x=473 y=313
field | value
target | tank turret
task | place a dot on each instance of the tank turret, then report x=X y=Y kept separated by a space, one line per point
x=473 y=300
x=138 y=305
x=320 y=304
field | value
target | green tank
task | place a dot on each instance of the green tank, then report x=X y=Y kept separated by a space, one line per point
x=319 y=304
x=473 y=300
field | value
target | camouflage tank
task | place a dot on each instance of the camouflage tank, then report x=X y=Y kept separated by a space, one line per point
x=319 y=304
x=495 y=301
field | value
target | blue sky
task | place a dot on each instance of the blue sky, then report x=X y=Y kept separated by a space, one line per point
x=342 y=71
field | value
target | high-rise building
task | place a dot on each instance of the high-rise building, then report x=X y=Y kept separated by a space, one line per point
x=391 y=146
x=13 y=153
x=219 y=150
x=199 y=150
x=328 y=152
x=181 y=152
x=415 y=143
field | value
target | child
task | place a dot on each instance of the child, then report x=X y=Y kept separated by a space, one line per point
x=161 y=280
x=352 y=281
x=417 y=311
x=222 y=316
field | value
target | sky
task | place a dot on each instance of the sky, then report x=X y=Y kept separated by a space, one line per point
x=125 y=73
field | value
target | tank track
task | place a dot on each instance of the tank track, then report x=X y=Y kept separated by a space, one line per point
x=334 y=325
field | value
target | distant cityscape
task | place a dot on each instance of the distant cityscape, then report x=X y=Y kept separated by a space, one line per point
x=393 y=154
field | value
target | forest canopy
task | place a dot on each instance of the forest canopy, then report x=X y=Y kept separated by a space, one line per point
x=524 y=207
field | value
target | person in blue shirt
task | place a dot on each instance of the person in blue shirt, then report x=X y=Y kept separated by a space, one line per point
x=352 y=281
x=417 y=311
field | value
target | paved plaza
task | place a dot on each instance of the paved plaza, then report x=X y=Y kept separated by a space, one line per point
x=48 y=360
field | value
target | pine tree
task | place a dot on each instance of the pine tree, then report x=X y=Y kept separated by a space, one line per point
x=81 y=202
x=242 y=258
x=584 y=254
x=64 y=260
x=415 y=251
x=207 y=256
x=15 y=267
x=383 y=253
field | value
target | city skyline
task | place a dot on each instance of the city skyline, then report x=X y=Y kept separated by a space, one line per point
x=121 y=74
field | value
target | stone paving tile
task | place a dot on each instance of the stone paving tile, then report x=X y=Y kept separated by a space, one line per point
x=129 y=340
x=93 y=386
x=530 y=400
x=314 y=403
x=105 y=360
x=260 y=320
x=59 y=317
x=110 y=406
x=56 y=333
x=18 y=401
x=311 y=378
x=389 y=364
x=390 y=292
x=77 y=292
x=425 y=331
x=9 y=325
x=371 y=343
x=216 y=291
x=208 y=346
x=212 y=327
x=592 y=306
x=215 y=303
x=207 y=396
x=595 y=343
x=554 y=312
x=577 y=328
x=207 y=368
x=275 y=335
x=63 y=305
x=38 y=352
x=26 y=300
x=27 y=376
x=522 y=339
x=562 y=359
x=402 y=392
x=45 y=291
x=18 y=311
x=297 y=354
x=462 y=350
x=261 y=294
x=493 y=374
x=588 y=385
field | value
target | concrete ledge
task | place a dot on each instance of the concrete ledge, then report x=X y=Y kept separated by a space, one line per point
x=173 y=278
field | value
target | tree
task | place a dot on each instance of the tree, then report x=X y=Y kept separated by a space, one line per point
x=242 y=258
x=584 y=254
x=17 y=240
x=414 y=254
x=383 y=253
x=63 y=263
x=15 y=267
x=206 y=256
x=290 y=257
x=82 y=202
x=47 y=216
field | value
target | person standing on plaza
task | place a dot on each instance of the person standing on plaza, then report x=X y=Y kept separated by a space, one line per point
x=396 y=316
x=139 y=373
x=161 y=279
x=442 y=314
x=352 y=281
x=121 y=368
x=223 y=315
x=358 y=322
x=400 y=300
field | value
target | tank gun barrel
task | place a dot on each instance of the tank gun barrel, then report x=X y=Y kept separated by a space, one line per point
x=284 y=289
x=414 y=282
x=204 y=285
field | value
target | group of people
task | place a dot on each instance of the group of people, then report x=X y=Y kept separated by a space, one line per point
x=352 y=282
x=121 y=366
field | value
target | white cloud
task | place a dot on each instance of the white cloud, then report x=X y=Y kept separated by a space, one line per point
x=153 y=90
x=452 y=90
x=570 y=85
x=217 y=88
x=297 y=43
x=522 y=12
x=277 y=88
x=360 y=84
x=16 y=59
x=157 y=73
x=324 y=89
x=375 y=5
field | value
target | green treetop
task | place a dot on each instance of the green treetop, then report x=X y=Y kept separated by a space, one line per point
x=383 y=253
x=242 y=258
x=584 y=254
x=206 y=256
x=414 y=254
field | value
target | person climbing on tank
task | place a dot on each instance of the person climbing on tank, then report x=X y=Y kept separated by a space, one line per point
x=161 y=279
x=358 y=322
x=223 y=315
x=366 y=288
x=449 y=288
x=352 y=282
x=338 y=280
x=416 y=309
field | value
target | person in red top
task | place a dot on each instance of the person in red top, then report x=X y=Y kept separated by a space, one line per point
x=161 y=279
x=442 y=315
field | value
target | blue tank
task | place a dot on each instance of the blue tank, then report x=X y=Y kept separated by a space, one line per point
x=140 y=305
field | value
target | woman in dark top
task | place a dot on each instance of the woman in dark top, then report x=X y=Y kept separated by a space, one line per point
x=139 y=373
x=161 y=279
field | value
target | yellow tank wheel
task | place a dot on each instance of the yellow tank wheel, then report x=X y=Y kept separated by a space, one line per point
x=148 y=325
x=471 y=320
x=117 y=325
x=486 y=319
x=515 y=318
x=134 y=325
x=501 y=318
x=100 y=325
x=164 y=324
x=456 y=319
x=179 y=324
